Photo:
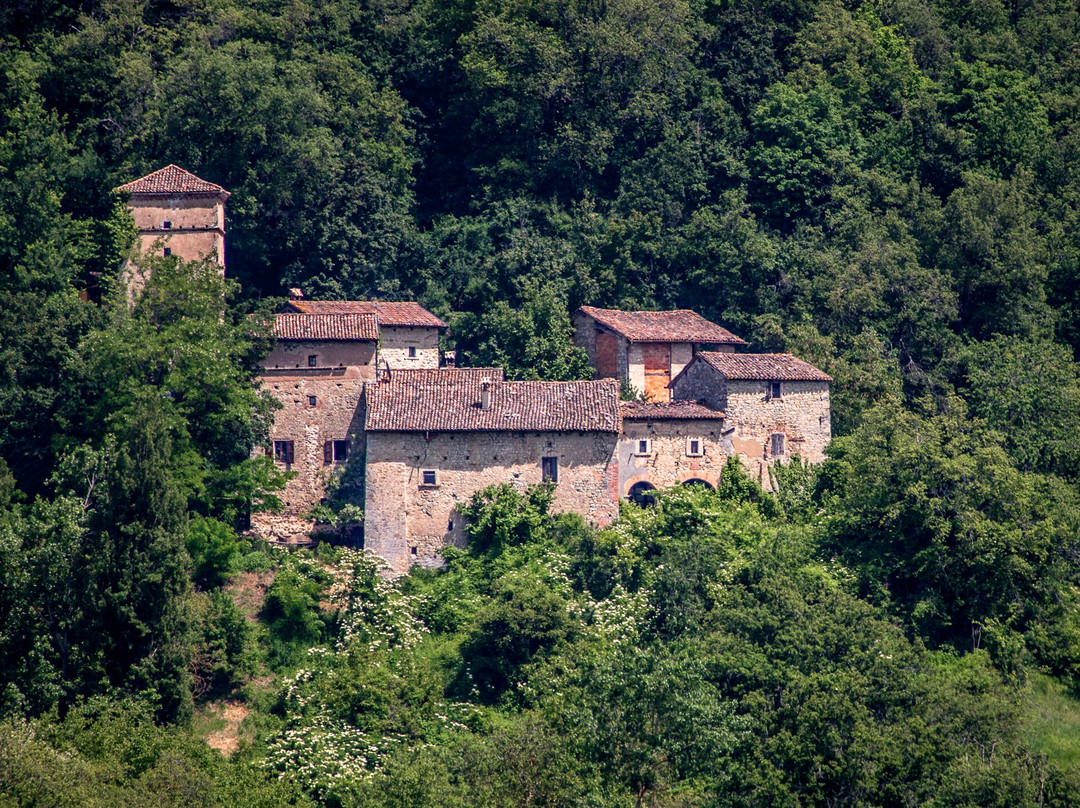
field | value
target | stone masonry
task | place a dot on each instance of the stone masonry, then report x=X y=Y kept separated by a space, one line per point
x=776 y=405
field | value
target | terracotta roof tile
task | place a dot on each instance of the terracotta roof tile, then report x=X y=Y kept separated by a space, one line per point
x=778 y=367
x=682 y=325
x=446 y=375
x=671 y=410
x=405 y=313
x=326 y=327
x=172 y=181
x=411 y=403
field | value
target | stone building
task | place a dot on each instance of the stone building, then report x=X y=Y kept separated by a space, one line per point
x=434 y=438
x=669 y=443
x=408 y=333
x=178 y=214
x=776 y=405
x=325 y=353
x=646 y=349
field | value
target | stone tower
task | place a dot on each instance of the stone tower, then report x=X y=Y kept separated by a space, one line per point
x=178 y=214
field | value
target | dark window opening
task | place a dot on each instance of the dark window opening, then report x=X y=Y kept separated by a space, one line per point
x=166 y=225
x=698 y=483
x=774 y=389
x=168 y=252
x=335 y=451
x=283 y=451
x=428 y=477
x=549 y=469
x=312 y=360
x=412 y=352
x=312 y=401
x=777 y=445
x=694 y=448
x=643 y=494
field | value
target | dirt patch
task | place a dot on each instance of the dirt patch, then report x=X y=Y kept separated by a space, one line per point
x=227 y=739
x=248 y=591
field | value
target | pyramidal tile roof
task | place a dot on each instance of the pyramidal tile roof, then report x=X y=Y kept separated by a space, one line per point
x=682 y=325
x=171 y=180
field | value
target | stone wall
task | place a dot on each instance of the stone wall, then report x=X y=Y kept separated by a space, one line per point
x=196 y=225
x=395 y=341
x=668 y=463
x=409 y=523
x=585 y=336
x=337 y=414
x=801 y=414
x=330 y=353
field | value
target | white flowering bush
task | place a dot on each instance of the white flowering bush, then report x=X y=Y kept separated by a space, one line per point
x=373 y=609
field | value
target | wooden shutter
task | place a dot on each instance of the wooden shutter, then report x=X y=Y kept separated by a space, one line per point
x=328 y=452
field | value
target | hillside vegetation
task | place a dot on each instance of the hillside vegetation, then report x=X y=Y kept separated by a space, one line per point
x=890 y=190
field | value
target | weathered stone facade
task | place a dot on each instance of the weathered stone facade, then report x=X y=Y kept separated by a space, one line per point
x=408 y=347
x=409 y=522
x=337 y=414
x=800 y=415
x=662 y=446
x=294 y=354
x=176 y=213
x=645 y=349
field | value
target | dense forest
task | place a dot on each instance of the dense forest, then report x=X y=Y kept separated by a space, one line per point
x=889 y=189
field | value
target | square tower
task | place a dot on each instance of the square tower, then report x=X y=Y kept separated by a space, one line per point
x=179 y=214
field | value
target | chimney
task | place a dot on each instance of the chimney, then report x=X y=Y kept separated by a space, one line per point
x=296 y=293
x=450 y=358
x=485 y=394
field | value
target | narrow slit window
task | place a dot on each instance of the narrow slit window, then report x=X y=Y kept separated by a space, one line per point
x=549 y=469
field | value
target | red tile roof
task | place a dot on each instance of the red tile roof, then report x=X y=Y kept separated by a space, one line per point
x=670 y=410
x=326 y=327
x=662 y=326
x=390 y=314
x=429 y=376
x=776 y=367
x=172 y=181
x=409 y=403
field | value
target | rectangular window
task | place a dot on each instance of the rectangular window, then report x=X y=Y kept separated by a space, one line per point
x=774 y=389
x=694 y=447
x=335 y=451
x=166 y=225
x=549 y=469
x=312 y=360
x=777 y=445
x=428 y=478
x=642 y=447
x=412 y=352
x=312 y=401
x=168 y=252
x=283 y=451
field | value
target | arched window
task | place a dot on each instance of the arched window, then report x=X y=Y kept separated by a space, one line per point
x=642 y=494
x=698 y=483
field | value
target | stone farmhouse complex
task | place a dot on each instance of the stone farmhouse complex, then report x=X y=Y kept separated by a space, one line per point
x=370 y=412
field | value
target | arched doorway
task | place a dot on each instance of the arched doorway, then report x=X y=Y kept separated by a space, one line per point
x=694 y=481
x=643 y=494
